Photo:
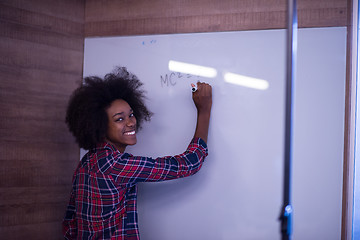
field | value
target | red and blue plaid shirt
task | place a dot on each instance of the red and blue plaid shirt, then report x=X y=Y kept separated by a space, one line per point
x=104 y=193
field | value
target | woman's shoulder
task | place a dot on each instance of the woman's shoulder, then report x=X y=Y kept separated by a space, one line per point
x=105 y=155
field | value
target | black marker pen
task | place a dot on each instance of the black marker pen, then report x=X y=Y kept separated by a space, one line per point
x=193 y=87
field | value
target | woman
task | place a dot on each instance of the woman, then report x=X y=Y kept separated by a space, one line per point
x=104 y=116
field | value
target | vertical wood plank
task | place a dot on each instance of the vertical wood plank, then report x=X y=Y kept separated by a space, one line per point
x=41 y=44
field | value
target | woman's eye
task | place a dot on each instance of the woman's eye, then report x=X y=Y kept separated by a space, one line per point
x=119 y=119
x=132 y=115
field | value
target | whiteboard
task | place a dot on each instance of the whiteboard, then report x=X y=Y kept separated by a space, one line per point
x=238 y=192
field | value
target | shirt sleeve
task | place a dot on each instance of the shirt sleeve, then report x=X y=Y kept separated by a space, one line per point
x=69 y=225
x=128 y=169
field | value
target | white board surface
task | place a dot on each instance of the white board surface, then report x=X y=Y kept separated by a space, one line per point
x=238 y=192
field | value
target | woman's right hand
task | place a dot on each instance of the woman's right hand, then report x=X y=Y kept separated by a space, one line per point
x=202 y=98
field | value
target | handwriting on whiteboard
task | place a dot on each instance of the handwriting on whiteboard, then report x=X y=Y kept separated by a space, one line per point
x=170 y=79
x=153 y=41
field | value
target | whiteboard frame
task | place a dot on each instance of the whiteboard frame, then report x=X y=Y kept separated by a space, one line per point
x=354 y=163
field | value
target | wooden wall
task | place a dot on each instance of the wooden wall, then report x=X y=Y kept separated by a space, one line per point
x=115 y=18
x=41 y=49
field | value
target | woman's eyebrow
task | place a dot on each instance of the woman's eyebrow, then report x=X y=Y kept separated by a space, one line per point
x=120 y=113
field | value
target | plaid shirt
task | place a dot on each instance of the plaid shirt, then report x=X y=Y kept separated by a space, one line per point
x=104 y=193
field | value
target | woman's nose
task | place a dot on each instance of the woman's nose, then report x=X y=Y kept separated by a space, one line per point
x=131 y=122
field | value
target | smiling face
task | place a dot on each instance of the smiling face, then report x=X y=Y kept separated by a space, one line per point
x=122 y=125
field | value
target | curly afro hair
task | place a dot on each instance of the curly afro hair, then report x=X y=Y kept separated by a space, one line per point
x=86 y=112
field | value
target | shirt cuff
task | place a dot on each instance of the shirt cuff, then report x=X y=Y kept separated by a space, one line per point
x=201 y=143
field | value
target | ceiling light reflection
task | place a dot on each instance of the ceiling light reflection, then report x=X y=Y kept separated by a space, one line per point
x=245 y=81
x=192 y=69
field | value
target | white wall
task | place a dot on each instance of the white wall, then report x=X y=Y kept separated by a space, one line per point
x=238 y=193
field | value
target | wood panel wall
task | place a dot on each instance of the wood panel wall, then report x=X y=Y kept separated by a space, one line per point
x=41 y=49
x=116 y=18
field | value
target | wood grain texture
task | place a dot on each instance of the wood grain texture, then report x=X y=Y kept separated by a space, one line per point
x=32 y=55
x=41 y=47
x=71 y=10
x=21 y=32
x=44 y=22
x=45 y=230
x=117 y=18
x=41 y=44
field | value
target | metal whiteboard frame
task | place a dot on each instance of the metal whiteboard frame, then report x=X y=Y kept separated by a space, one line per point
x=355 y=165
x=287 y=211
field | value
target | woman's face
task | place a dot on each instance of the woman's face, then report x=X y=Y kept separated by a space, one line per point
x=122 y=125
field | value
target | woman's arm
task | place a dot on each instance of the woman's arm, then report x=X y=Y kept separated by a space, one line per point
x=202 y=98
x=128 y=169
x=131 y=169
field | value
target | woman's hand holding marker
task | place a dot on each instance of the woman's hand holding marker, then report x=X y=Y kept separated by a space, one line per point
x=202 y=97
